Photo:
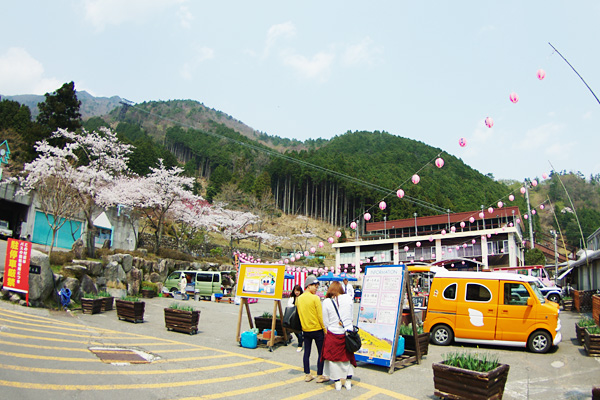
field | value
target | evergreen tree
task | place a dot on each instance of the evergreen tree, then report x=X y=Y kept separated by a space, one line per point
x=60 y=109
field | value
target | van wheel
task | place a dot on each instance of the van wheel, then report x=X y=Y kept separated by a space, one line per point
x=555 y=298
x=442 y=335
x=173 y=290
x=539 y=342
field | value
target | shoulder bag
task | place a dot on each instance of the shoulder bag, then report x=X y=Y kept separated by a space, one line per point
x=353 y=342
x=291 y=319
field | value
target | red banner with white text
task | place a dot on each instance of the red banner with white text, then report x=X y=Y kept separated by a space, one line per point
x=16 y=266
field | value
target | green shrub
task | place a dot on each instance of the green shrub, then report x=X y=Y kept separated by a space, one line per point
x=104 y=294
x=471 y=361
x=130 y=298
x=407 y=330
x=91 y=296
x=267 y=314
x=61 y=257
x=594 y=330
x=586 y=322
x=146 y=285
x=177 y=306
x=174 y=254
x=216 y=252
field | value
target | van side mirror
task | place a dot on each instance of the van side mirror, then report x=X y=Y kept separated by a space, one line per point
x=530 y=301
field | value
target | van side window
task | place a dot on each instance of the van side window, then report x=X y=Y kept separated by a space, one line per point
x=174 y=275
x=215 y=278
x=450 y=292
x=515 y=294
x=477 y=292
x=201 y=277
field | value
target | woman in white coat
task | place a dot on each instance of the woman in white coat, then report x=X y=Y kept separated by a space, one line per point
x=338 y=361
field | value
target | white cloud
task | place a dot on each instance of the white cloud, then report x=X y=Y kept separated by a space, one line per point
x=285 y=30
x=200 y=54
x=362 y=53
x=20 y=73
x=185 y=17
x=102 y=13
x=318 y=67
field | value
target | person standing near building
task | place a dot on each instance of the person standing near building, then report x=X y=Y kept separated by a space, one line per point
x=348 y=289
x=309 y=309
x=338 y=309
x=297 y=291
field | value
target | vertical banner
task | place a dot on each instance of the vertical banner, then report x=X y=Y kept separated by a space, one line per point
x=380 y=305
x=261 y=280
x=16 y=266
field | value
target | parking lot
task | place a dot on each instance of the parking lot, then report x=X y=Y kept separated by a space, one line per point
x=54 y=353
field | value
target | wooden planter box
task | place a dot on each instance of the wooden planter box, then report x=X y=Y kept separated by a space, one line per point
x=457 y=383
x=107 y=303
x=263 y=323
x=579 y=331
x=181 y=320
x=148 y=293
x=567 y=305
x=422 y=340
x=130 y=310
x=91 y=306
x=591 y=343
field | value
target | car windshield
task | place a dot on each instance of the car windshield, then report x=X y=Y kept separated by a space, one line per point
x=3 y=224
x=538 y=293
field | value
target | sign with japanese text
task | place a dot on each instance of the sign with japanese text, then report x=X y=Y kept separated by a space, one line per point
x=16 y=266
x=261 y=280
x=380 y=305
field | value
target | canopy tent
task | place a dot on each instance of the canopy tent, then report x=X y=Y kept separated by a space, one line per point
x=331 y=277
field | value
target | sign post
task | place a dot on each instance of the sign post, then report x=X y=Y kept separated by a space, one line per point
x=16 y=266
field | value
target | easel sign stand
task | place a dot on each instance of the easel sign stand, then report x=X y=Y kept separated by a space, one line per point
x=262 y=281
x=380 y=316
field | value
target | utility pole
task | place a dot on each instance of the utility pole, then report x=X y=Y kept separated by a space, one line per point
x=553 y=232
x=529 y=216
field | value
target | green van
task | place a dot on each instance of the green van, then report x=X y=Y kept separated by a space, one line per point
x=206 y=283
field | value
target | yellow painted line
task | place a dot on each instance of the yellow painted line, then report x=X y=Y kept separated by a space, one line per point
x=41 y=338
x=118 y=372
x=37 y=346
x=56 y=325
x=39 y=357
x=247 y=390
x=316 y=392
x=386 y=392
x=18 y=328
x=42 y=386
x=366 y=396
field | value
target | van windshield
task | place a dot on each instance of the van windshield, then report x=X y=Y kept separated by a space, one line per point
x=538 y=293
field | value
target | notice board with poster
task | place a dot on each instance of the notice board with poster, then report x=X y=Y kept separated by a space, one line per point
x=380 y=306
x=261 y=280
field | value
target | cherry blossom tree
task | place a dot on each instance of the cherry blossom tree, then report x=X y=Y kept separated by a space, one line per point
x=88 y=162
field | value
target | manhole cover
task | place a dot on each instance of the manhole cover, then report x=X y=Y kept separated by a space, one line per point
x=121 y=356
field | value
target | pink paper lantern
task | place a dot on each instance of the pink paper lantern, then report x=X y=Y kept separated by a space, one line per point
x=534 y=183
x=457 y=248
x=338 y=234
x=367 y=216
x=452 y=229
x=544 y=176
x=511 y=197
x=421 y=259
x=405 y=248
x=472 y=219
x=400 y=193
x=462 y=224
x=533 y=212
x=489 y=122
x=415 y=179
x=500 y=204
x=439 y=162
x=352 y=225
x=541 y=74
x=330 y=240
x=418 y=244
x=522 y=190
x=313 y=250
x=292 y=259
x=473 y=241
x=286 y=261
x=526 y=216
x=481 y=215
x=431 y=238
x=443 y=232
x=396 y=251
x=490 y=210
x=510 y=224
x=514 y=97
x=382 y=205
x=464 y=245
x=462 y=142
x=489 y=235
x=321 y=244
x=541 y=206
x=518 y=221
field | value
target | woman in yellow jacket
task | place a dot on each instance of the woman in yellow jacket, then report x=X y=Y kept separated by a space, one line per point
x=309 y=309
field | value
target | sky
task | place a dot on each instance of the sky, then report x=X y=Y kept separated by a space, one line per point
x=429 y=71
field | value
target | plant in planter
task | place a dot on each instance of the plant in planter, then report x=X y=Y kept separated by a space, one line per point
x=410 y=342
x=580 y=326
x=469 y=376
x=567 y=303
x=107 y=301
x=265 y=321
x=591 y=341
x=149 y=289
x=130 y=308
x=91 y=303
x=182 y=318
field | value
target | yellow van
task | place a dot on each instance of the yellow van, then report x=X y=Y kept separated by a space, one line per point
x=491 y=308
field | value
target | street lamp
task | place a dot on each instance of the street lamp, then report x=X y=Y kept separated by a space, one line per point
x=384 y=227
x=415 y=214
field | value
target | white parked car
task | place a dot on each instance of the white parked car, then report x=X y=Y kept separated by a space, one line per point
x=5 y=231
